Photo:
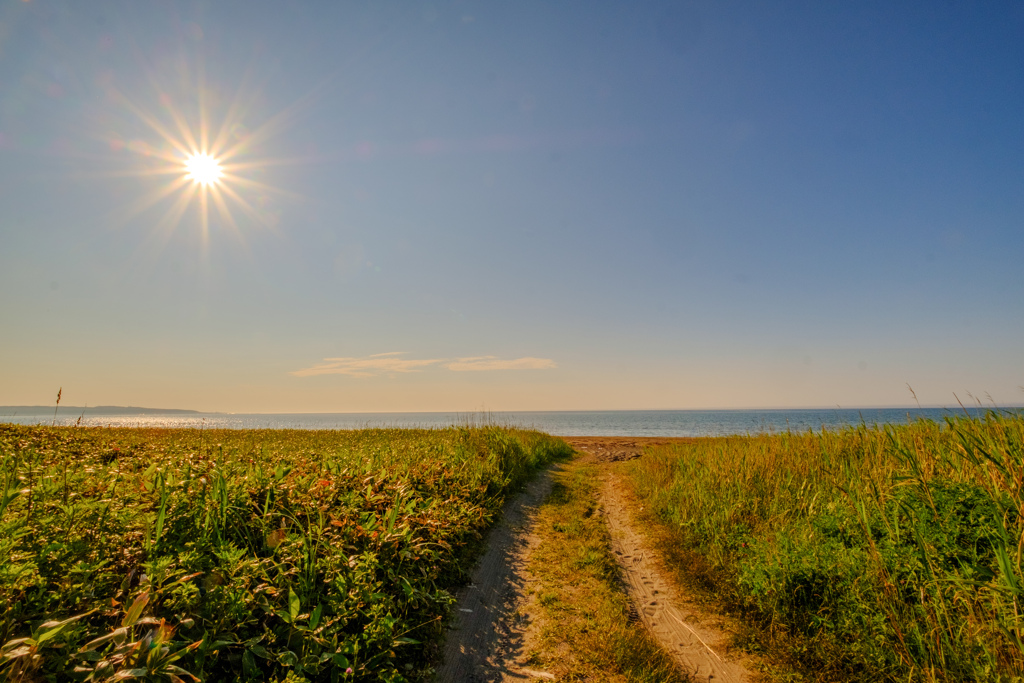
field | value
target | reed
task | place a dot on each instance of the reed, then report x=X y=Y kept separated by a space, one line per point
x=863 y=554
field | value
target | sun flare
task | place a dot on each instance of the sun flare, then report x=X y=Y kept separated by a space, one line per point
x=207 y=167
x=203 y=169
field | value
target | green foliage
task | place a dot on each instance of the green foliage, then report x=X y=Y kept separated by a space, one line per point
x=864 y=554
x=242 y=555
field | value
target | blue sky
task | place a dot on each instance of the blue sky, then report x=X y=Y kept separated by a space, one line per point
x=513 y=206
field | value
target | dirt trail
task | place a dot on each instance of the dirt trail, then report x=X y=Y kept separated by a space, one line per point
x=698 y=641
x=485 y=641
x=618 y=448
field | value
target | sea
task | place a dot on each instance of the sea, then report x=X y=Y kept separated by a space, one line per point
x=647 y=423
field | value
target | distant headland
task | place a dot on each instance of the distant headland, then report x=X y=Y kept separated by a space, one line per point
x=8 y=411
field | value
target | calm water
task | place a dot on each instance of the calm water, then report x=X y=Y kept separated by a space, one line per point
x=567 y=423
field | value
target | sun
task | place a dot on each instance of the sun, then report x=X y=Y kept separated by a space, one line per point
x=203 y=169
x=195 y=164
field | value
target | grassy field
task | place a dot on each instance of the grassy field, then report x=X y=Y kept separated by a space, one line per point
x=860 y=555
x=242 y=555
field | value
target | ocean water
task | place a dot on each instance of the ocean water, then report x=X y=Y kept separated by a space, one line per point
x=560 y=423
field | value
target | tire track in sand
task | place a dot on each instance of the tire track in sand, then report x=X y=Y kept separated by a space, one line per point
x=485 y=639
x=700 y=643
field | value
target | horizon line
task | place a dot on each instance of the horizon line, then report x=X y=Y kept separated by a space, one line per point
x=957 y=407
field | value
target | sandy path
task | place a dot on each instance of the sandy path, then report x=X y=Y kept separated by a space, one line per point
x=699 y=642
x=485 y=643
x=485 y=640
x=618 y=448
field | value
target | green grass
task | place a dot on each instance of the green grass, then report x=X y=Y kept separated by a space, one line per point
x=585 y=633
x=861 y=554
x=242 y=555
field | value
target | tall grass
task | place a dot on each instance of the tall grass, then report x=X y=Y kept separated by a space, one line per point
x=242 y=555
x=864 y=554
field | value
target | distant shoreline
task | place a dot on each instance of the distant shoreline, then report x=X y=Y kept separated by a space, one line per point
x=686 y=423
x=6 y=411
x=127 y=411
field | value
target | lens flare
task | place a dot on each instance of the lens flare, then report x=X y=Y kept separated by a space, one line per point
x=207 y=167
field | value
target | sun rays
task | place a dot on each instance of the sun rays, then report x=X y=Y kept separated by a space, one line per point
x=196 y=165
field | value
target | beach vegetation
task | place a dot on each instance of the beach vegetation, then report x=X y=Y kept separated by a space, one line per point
x=243 y=555
x=867 y=554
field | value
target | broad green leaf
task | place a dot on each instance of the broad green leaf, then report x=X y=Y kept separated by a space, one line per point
x=113 y=635
x=125 y=674
x=50 y=633
x=293 y=604
x=249 y=668
x=135 y=611
x=402 y=640
x=260 y=651
x=314 y=618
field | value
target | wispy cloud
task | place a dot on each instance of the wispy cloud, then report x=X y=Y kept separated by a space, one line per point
x=377 y=364
x=495 y=363
x=393 y=362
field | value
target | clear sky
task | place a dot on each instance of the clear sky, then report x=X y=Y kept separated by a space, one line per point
x=458 y=206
